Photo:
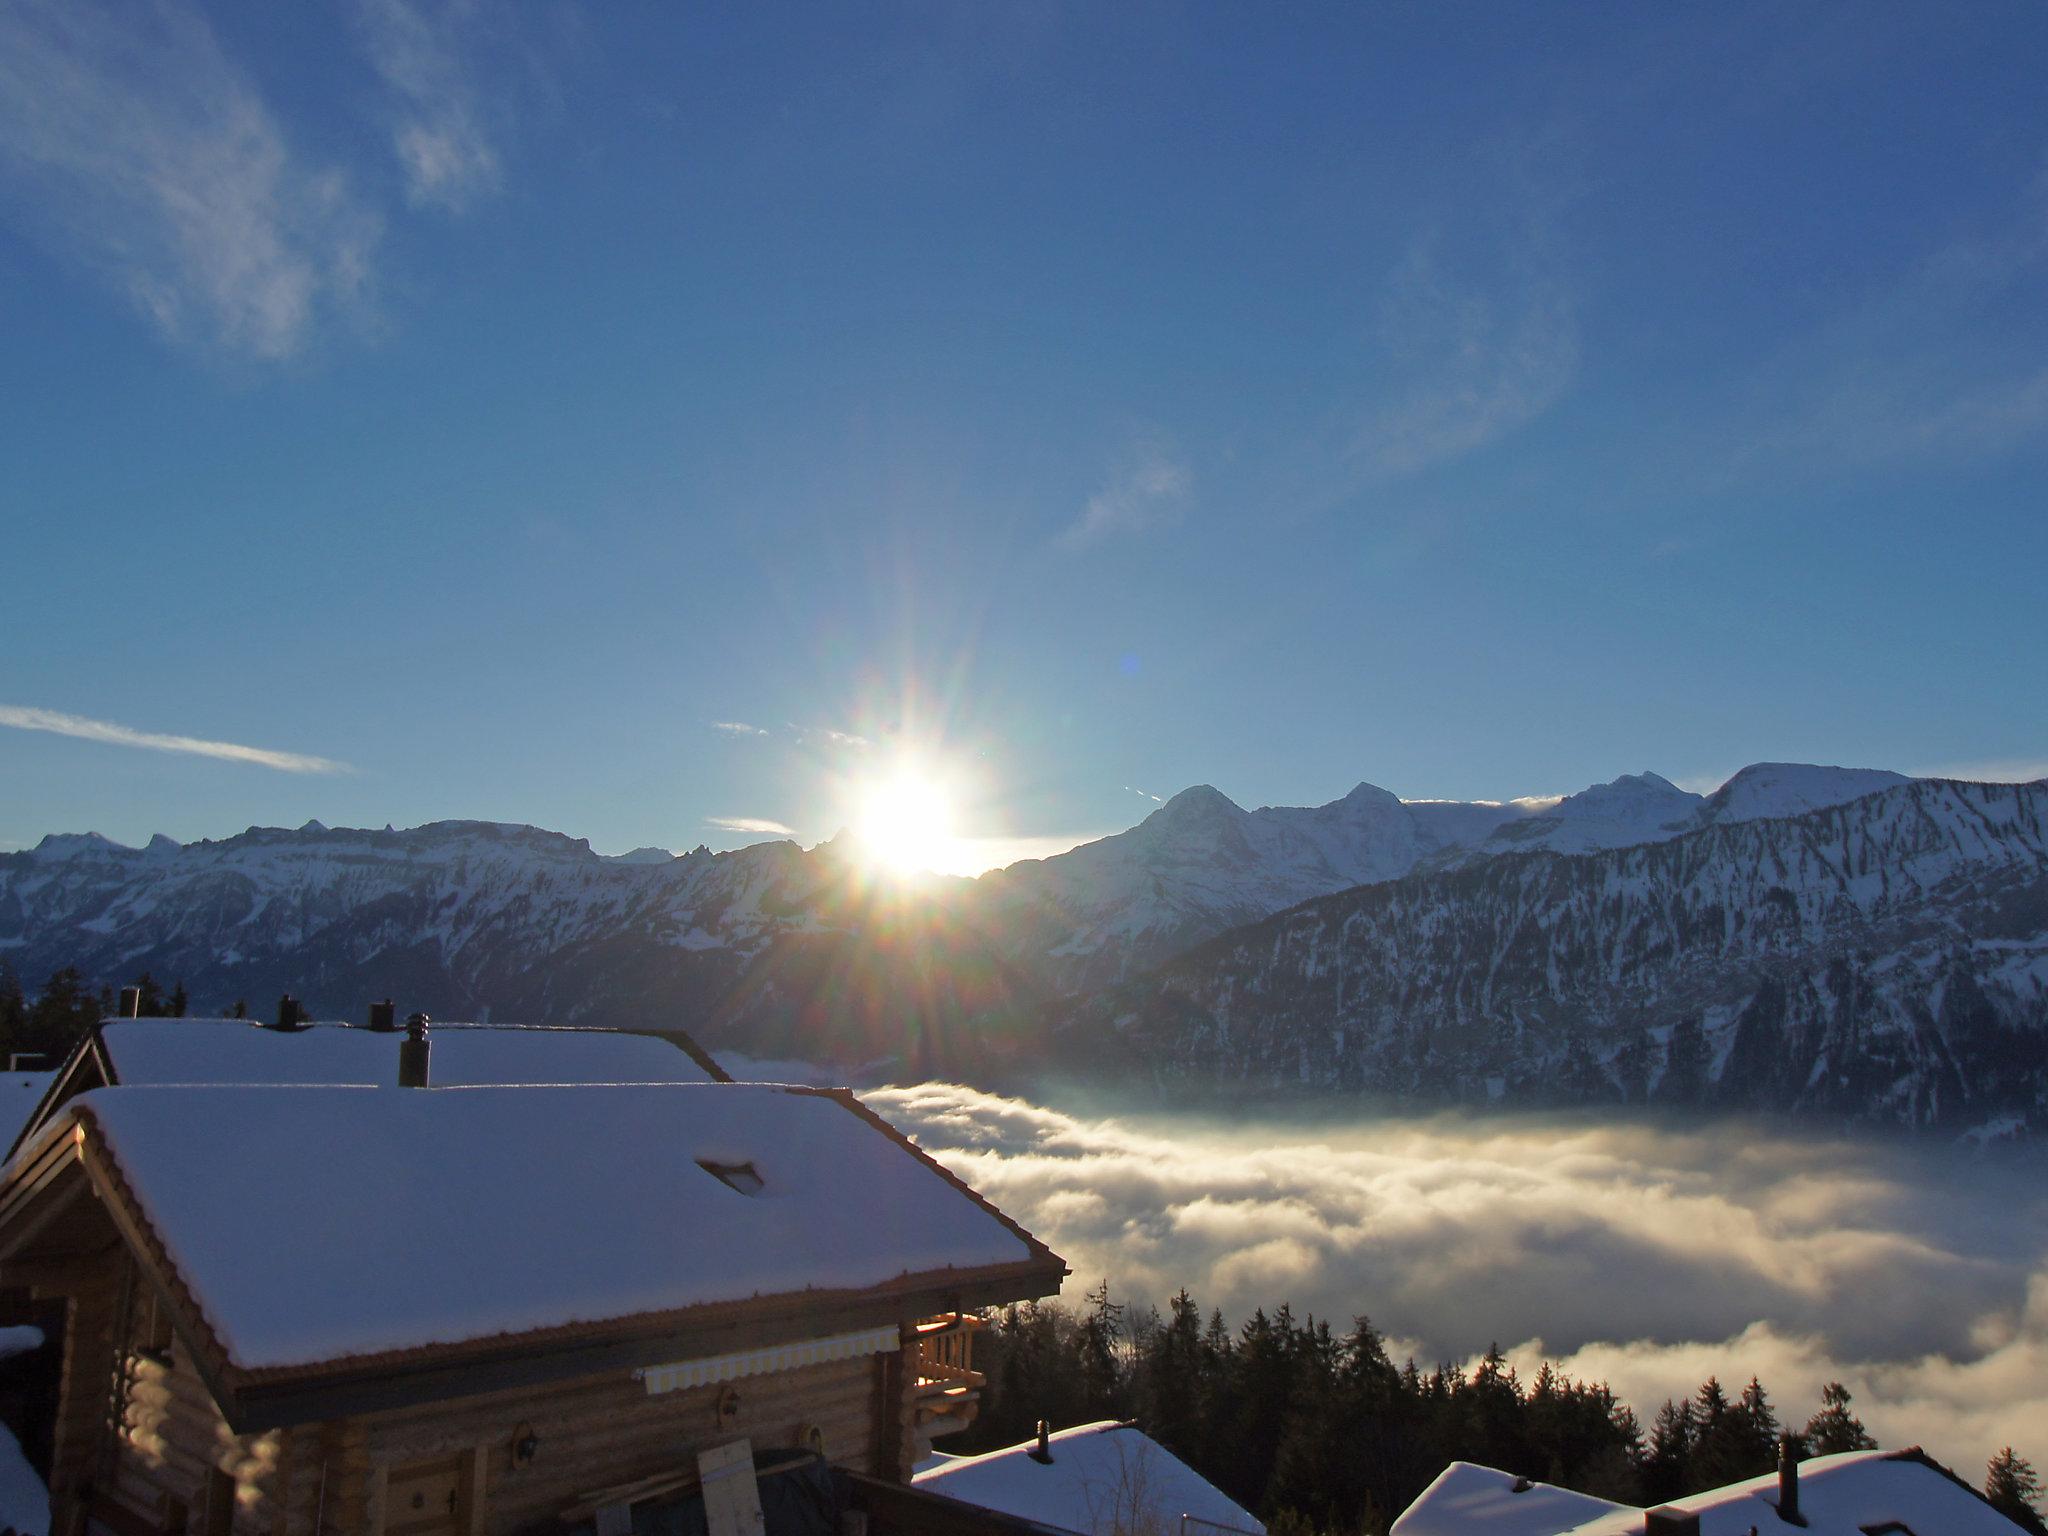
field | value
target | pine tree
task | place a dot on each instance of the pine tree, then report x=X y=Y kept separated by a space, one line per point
x=1488 y=1408
x=1101 y=1333
x=1835 y=1429
x=179 y=1002
x=2014 y=1490
x=61 y=1015
x=1172 y=1375
x=13 y=1011
x=1667 y=1467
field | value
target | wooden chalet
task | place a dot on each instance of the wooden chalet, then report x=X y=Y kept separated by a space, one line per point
x=325 y=1311
x=155 y=1052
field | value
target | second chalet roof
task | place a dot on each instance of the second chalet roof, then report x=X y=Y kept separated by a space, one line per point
x=313 y=1225
x=146 y=1052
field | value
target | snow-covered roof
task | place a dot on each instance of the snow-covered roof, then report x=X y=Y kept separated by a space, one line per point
x=1902 y=1493
x=1102 y=1477
x=150 y=1052
x=309 y=1225
x=20 y=1093
x=24 y=1501
x=1468 y=1498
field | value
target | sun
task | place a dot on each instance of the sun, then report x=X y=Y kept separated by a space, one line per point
x=905 y=821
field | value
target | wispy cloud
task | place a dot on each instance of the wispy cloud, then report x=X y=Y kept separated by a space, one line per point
x=750 y=824
x=1476 y=358
x=1144 y=494
x=830 y=737
x=438 y=128
x=1922 y=366
x=142 y=151
x=2002 y=770
x=737 y=728
x=122 y=736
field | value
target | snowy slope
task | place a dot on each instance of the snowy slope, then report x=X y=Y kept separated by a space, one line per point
x=1767 y=790
x=1635 y=808
x=1201 y=864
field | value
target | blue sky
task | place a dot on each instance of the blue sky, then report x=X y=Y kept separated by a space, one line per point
x=487 y=402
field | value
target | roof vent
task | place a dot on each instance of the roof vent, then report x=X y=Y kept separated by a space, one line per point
x=384 y=1017
x=290 y=1016
x=1043 y=1450
x=415 y=1053
x=744 y=1177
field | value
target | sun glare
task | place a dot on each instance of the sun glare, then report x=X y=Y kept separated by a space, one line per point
x=906 y=822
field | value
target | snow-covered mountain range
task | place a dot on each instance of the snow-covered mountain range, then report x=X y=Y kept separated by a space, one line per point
x=1885 y=957
x=1125 y=942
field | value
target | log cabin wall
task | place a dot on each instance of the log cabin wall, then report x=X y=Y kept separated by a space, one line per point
x=592 y=1433
x=173 y=1460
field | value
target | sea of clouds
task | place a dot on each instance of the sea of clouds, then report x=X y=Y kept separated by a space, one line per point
x=1645 y=1254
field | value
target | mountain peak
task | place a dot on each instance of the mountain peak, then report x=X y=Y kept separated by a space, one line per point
x=640 y=856
x=1196 y=805
x=1765 y=791
x=69 y=845
x=1363 y=793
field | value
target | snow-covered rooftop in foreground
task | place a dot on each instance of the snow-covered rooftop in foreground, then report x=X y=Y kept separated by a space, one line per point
x=1470 y=1498
x=151 y=1052
x=24 y=1501
x=314 y=1224
x=1900 y=1493
x=1102 y=1478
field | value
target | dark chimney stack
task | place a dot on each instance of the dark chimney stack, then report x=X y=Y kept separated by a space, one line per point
x=1670 y=1522
x=1788 y=1484
x=1043 y=1450
x=384 y=1017
x=414 y=1053
x=290 y=1015
x=131 y=1002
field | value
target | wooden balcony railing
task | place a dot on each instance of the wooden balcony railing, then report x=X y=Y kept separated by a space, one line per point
x=947 y=1386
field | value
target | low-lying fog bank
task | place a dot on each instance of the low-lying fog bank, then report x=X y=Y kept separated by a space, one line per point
x=1646 y=1255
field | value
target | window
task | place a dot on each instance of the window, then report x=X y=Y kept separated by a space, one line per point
x=744 y=1177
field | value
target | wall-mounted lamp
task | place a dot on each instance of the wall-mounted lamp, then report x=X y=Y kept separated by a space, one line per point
x=728 y=1406
x=525 y=1445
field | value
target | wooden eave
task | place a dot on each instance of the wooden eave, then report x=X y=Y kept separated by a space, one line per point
x=254 y=1400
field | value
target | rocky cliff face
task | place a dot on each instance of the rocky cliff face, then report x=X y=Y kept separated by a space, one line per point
x=1885 y=958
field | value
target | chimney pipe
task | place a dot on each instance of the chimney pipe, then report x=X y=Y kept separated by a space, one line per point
x=384 y=1017
x=1043 y=1450
x=1788 y=1484
x=131 y=1002
x=290 y=1015
x=414 y=1053
x=1670 y=1522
